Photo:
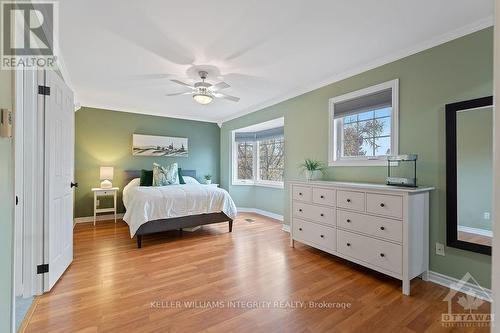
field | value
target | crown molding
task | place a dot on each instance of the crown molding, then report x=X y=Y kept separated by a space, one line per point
x=433 y=42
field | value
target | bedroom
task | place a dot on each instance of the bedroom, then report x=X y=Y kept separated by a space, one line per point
x=229 y=168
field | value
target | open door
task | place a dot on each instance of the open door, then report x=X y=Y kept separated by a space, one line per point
x=57 y=100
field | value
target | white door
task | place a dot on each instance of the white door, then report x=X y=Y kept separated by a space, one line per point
x=59 y=173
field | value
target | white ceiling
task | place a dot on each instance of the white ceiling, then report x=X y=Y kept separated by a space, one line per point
x=121 y=55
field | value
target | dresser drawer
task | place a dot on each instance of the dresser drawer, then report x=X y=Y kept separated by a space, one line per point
x=351 y=200
x=382 y=254
x=314 y=233
x=371 y=225
x=320 y=214
x=302 y=193
x=384 y=204
x=323 y=196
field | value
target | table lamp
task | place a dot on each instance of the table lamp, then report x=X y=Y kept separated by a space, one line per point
x=106 y=176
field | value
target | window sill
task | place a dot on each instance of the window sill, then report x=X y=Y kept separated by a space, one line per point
x=259 y=184
x=362 y=163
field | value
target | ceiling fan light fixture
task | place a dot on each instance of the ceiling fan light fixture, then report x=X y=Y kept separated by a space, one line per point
x=203 y=99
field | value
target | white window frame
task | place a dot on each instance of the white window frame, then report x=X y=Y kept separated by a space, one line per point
x=256 y=170
x=333 y=159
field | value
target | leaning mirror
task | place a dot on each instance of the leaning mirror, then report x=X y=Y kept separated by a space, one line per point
x=469 y=174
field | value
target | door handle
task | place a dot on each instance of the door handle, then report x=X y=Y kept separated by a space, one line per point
x=73 y=185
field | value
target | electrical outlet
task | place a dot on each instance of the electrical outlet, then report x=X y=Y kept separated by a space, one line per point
x=440 y=249
x=486 y=215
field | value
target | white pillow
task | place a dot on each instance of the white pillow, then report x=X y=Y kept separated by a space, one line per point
x=190 y=180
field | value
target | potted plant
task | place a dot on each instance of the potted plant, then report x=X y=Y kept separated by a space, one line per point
x=312 y=169
x=208 y=179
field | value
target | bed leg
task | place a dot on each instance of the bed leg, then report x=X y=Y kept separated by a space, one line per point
x=231 y=226
x=139 y=241
x=180 y=232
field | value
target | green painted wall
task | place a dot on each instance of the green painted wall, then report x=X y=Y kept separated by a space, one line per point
x=104 y=137
x=474 y=167
x=458 y=70
x=6 y=208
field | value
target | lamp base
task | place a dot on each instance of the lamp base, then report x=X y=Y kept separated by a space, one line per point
x=106 y=184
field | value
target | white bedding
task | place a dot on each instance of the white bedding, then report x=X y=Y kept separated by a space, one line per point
x=145 y=204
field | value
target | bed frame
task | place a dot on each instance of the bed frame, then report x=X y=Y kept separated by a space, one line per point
x=179 y=223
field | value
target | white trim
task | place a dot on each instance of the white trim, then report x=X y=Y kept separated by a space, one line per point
x=333 y=159
x=88 y=219
x=260 y=212
x=286 y=228
x=430 y=43
x=476 y=231
x=451 y=283
x=495 y=261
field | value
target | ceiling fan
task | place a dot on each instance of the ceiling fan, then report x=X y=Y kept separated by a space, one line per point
x=204 y=92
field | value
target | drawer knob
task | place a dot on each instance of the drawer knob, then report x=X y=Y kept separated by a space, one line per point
x=300 y=209
x=382 y=205
x=300 y=229
x=382 y=255
x=300 y=193
x=348 y=244
x=322 y=214
x=322 y=236
x=322 y=197
x=348 y=200
x=382 y=228
x=348 y=221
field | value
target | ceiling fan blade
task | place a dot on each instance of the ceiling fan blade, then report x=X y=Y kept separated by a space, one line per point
x=228 y=97
x=220 y=86
x=179 y=93
x=183 y=84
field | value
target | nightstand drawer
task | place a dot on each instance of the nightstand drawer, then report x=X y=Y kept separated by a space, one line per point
x=103 y=193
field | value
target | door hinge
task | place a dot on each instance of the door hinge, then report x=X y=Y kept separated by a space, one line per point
x=17 y=200
x=44 y=90
x=42 y=269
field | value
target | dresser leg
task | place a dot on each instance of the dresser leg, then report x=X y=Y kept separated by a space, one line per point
x=406 y=287
x=292 y=242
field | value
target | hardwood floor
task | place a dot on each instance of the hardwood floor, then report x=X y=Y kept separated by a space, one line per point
x=112 y=286
x=474 y=238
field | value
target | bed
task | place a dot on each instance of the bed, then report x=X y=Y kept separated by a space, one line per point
x=151 y=210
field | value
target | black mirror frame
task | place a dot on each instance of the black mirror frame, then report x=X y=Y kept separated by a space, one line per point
x=451 y=174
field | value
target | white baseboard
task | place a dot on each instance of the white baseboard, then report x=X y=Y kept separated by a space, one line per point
x=261 y=212
x=88 y=219
x=286 y=228
x=476 y=231
x=466 y=288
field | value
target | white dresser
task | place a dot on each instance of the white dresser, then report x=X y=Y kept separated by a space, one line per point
x=382 y=227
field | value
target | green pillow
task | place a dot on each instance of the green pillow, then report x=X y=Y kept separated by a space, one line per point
x=146 y=177
x=181 y=180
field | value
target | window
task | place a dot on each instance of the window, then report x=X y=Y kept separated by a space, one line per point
x=364 y=126
x=259 y=154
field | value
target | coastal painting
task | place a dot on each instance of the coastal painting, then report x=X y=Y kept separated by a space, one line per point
x=152 y=145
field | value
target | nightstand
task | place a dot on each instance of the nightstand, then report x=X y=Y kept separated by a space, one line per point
x=214 y=185
x=104 y=192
